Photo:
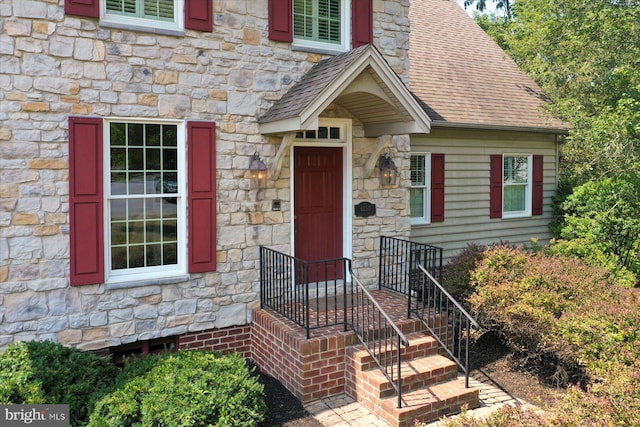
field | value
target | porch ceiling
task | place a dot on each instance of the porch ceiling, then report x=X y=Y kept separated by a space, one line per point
x=360 y=81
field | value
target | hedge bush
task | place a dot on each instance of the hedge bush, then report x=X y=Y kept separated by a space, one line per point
x=605 y=216
x=41 y=372
x=456 y=277
x=184 y=389
x=562 y=310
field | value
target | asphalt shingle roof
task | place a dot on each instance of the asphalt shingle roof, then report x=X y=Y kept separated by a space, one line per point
x=463 y=77
x=310 y=87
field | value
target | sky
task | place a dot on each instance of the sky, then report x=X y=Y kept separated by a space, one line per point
x=490 y=7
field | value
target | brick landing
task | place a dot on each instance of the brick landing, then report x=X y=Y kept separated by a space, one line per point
x=322 y=366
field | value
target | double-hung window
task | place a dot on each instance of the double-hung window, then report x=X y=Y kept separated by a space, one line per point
x=516 y=185
x=145 y=199
x=420 y=184
x=322 y=24
x=142 y=200
x=162 y=14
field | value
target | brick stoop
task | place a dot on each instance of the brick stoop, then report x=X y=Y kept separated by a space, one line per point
x=429 y=384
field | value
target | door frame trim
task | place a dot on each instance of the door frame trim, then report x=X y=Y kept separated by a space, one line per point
x=347 y=176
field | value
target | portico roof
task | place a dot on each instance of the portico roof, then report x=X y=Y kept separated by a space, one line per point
x=360 y=81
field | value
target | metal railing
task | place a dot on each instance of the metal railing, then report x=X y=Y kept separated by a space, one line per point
x=309 y=293
x=399 y=259
x=378 y=333
x=443 y=316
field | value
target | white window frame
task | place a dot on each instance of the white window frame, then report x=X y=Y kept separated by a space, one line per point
x=154 y=24
x=345 y=29
x=155 y=273
x=528 y=187
x=426 y=209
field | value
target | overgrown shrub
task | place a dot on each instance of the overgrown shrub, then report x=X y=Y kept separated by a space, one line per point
x=184 y=389
x=593 y=255
x=605 y=216
x=456 y=277
x=562 y=310
x=41 y=372
x=507 y=416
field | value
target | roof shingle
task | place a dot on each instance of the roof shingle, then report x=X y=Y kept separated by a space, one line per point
x=464 y=77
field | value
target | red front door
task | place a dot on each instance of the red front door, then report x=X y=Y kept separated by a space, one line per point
x=318 y=203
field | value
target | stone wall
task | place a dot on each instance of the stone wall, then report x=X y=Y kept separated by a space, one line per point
x=53 y=66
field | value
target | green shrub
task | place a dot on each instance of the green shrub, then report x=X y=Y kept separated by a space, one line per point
x=41 y=372
x=457 y=273
x=562 y=310
x=507 y=416
x=184 y=389
x=605 y=215
x=593 y=255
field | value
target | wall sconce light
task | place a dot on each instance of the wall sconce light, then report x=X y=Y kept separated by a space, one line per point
x=388 y=171
x=257 y=171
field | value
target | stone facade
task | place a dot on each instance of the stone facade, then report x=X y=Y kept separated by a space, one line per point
x=54 y=66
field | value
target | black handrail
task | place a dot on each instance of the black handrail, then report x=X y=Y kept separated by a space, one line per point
x=309 y=293
x=399 y=259
x=378 y=333
x=444 y=317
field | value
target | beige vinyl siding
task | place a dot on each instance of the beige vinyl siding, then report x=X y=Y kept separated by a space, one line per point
x=467 y=169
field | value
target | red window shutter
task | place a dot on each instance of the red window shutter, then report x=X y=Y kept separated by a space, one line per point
x=437 y=187
x=86 y=201
x=201 y=151
x=281 y=20
x=88 y=8
x=198 y=15
x=361 y=22
x=537 y=190
x=495 y=192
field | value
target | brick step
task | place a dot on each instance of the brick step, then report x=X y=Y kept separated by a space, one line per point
x=416 y=374
x=427 y=404
x=419 y=345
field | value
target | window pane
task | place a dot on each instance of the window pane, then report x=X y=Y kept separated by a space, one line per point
x=159 y=9
x=418 y=170
x=516 y=169
x=417 y=202
x=153 y=134
x=514 y=198
x=318 y=20
x=143 y=228
x=119 y=183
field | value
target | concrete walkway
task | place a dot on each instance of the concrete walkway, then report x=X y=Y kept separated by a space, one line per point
x=343 y=411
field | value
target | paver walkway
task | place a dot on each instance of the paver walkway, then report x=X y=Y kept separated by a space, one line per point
x=343 y=411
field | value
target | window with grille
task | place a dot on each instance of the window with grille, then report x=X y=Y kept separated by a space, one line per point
x=157 y=13
x=145 y=198
x=516 y=185
x=419 y=191
x=321 y=23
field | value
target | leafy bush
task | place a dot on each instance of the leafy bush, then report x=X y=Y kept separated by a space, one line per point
x=593 y=255
x=457 y=273
x=561 y=310
x=41 y=372
x=184 y=389
x=507 y=416
x=605 y=216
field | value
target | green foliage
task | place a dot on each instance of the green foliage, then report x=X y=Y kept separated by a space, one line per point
x=605 y=217
x=46 y=372
x=584 y=54
x=593 y=255
x=562 y=310
x=184 y=389
x=457 y=273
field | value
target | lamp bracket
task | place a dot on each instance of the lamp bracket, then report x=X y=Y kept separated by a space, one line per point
x=384 y=142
